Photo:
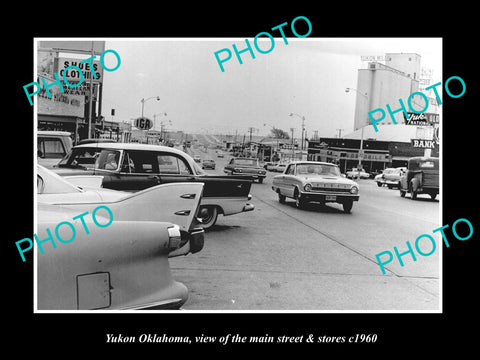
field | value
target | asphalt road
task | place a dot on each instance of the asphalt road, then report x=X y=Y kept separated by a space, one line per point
x=278 y=257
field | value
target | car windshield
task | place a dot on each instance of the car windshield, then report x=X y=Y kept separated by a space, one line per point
x=83 y=157
x=318 y=169
x=108 y=160
x=247 y=162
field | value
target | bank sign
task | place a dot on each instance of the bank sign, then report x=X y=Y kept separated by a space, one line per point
x=423 y=144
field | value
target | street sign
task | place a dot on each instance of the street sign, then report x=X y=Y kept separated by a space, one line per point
x=143 y=123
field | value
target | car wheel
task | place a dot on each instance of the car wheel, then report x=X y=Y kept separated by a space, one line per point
x=260 y=180
x=347 y=206
x=413 y=194
x=402 y=193
x=433 y=196
x=299 y=202
x=281 y=198
x=379 y=184
x=209 y=215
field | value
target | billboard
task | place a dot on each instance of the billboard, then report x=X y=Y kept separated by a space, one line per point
x=73 y=75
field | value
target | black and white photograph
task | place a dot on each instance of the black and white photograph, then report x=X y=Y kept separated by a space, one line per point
x=279 y=174
x=268 y=174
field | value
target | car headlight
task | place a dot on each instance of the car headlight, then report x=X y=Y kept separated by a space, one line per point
x=308 y=187
x=354 y=190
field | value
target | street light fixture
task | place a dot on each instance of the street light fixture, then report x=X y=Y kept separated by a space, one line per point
x=143 y=100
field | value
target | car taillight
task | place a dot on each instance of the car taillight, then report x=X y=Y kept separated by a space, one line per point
x=174 y=238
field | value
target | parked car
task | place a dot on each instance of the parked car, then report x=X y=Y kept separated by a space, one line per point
x=124 y=265
x=390 y=177
x=357 y=174
x=220 y=154
x=52 y=146
x=208 y=164
x=421 y=177
x=134 y=167
x=197 y=158
x=322 y=182
x=245 y=166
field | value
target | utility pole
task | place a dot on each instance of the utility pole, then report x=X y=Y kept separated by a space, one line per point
x=293 y=151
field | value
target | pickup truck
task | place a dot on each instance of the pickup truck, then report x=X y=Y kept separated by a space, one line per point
x=135 y=167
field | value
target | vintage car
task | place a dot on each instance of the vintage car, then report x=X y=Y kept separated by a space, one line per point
x=356 y=173
x=279 y=167
x=134 y=167
x=421 y=177
x=220 y=154
x=124 y=265
x=390 y=177
x=245 y=166
x=208 y=164
x=197 y=158
x=52 y=146
x=322 y=182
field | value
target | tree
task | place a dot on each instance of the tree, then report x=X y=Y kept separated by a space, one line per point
x=279 y=133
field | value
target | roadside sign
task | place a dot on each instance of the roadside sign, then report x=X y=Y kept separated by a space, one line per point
x=143 y=123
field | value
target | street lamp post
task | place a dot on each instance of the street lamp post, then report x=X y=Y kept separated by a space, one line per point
x=143 y=100
x=303 y=126
x=360 y=155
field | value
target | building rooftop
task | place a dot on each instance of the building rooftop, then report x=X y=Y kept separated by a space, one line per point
x=387 y=132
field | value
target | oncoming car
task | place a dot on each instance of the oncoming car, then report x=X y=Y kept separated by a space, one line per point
x=322 y=182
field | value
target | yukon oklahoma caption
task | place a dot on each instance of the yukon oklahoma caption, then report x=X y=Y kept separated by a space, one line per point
x=238 y=339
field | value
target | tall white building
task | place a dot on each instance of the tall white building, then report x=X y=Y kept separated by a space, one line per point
x=381 y=84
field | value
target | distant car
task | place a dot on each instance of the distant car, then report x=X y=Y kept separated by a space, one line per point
x=279 y=167
x=390 y=177
x=357 y=174
x=245 y=166
x=52 y=146
x=220 y=154
x=269 y=165
x=322 y=182
x=197 y=158
x=208 y=164
x=124 y=265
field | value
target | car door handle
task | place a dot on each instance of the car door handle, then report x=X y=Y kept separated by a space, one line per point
x=155 y=177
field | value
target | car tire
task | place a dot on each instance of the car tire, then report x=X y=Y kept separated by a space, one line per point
x=413 y=193
x=389 y=186
x=260 y=180
x=281 y=198
x=299 y=202
x=379 y=184
x=347 y=206
x=402 y=193
x=433 y=196
x=210 y=218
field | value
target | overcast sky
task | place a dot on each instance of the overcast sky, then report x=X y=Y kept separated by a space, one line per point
x=307 y=77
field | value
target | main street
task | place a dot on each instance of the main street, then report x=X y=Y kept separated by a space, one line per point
x=278 y=257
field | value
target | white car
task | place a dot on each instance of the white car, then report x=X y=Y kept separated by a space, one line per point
x=124 y=265
x=357 y=174
x=306 y=181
